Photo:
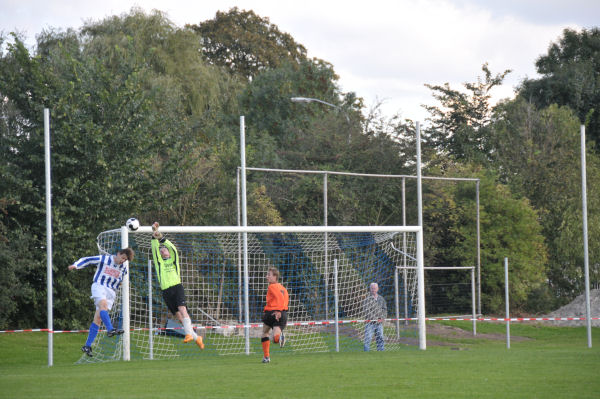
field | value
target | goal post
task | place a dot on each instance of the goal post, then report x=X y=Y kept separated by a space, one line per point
x=221 y=276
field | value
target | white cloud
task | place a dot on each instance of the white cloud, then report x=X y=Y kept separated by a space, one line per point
x=381 y=49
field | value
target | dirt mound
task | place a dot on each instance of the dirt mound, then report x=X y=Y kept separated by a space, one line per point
x=577 y=309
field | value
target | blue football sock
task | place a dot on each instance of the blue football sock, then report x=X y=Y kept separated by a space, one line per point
x=92 y=334
x=106 y=320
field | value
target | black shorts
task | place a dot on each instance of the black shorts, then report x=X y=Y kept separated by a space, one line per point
x=270 y=320
x=174 y=297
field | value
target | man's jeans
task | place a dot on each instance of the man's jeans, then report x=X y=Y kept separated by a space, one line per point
x=369 y=329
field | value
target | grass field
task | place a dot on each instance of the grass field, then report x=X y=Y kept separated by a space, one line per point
x=553 y=362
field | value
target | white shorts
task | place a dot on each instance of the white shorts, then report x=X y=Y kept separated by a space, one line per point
x=100 y=292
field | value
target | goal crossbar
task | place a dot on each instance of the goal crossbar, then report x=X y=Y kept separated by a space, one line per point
x=278 y=229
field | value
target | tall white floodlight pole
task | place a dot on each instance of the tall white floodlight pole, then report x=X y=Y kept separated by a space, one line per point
x=421 y=291
x=150 y=313
x=419 y=178
x=125 y=300
x=245 y=234
x=506 y=300
x=336 y=302
x=326 y=247
x=420 y=257
x=586 y=261
x=239 y=261
x=48 y=236
x=478 y=250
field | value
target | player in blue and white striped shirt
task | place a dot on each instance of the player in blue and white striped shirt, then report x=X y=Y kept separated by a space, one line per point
x=110 y=270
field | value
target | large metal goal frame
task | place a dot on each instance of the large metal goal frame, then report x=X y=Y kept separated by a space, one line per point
x=325 y=173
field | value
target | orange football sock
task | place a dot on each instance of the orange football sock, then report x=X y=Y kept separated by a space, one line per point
x=276 y=338
x=265 y=345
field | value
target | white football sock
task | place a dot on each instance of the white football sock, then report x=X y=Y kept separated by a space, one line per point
x=187 y=328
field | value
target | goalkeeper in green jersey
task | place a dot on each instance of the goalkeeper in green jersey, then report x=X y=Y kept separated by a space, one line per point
x=168 y=273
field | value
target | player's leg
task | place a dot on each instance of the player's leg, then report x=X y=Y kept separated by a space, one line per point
x=368 y=336
x=276 y=334
x=104 y=316
x=278 y=327
x=186 y=321
x=104 y=298
x=184 y=317
x=264 y=340
x=266 y=343
x=282 y=323
x=379 y=336
x=93 y=332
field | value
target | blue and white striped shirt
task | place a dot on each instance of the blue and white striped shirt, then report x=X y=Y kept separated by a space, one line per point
x=108 y=273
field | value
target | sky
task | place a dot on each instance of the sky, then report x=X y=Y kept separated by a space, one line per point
x=384 y=51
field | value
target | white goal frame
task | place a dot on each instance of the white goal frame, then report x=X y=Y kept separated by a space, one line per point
x=244 y=230
x=326 y=173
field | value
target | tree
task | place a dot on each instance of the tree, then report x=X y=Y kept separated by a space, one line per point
x=268 y=108
x=123 y=130
x=537 y=155
x=22 y=237
x=314 y=136
x=459 y=127
x=246 y=43
x=570 y=77
x=509 y=228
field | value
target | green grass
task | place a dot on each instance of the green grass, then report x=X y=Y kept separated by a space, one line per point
x=553 y=363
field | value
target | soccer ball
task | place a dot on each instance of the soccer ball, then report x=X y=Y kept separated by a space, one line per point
x=132 y=224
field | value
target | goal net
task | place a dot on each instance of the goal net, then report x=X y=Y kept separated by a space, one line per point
x=326 y=270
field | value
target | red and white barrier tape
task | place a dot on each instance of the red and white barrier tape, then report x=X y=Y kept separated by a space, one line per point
x=325 y=323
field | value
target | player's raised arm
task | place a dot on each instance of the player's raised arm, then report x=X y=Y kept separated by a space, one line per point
x=86 y=261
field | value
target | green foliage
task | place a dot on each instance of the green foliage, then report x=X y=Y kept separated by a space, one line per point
x=17 y=261
x=537 y=154
x=509 y=228
x=266 y=100
x=458 y=128
x=145 y=123
x=22 y=211
x=570 y=77
x=123 y=129
x=246 y=44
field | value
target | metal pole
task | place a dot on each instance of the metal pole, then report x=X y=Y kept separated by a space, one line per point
x=240 y=277
x=48 y=238
x=397 y=302
x=419 y=179
x=245 y=234
x=150 y=319
x=326 y=247
x=337 y=173
x=421 y=291
x=586 y=261
x=478 y=251
x=507 y=304
x=405 y=259
x=336 y=298
x=125 y=299
x=420 y=259
x=473 y=301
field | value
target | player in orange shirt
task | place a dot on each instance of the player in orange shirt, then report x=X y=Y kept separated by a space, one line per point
x=275 y=316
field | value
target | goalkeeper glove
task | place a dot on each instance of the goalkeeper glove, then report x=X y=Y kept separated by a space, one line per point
x=158 y=235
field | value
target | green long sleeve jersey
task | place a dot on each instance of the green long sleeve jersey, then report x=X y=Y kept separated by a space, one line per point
x=167 y=270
